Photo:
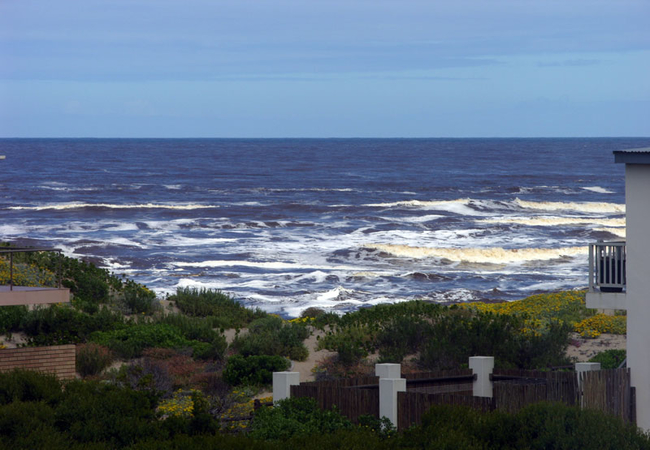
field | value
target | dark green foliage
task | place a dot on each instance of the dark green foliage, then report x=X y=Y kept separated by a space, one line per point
x=400 y=337
x=196 y=328
x=253 y=370
x=610 y=359
x=56 y=324
x=312 y=312
x=90 y=287
x=540 y=426
x=92 y=359
x=226 y=312
x=130 y=342
x=12 y=318
x=457 y=336
x=137 y=299
x=95 y=412
x=29 y=386
x=22 y=418
x=296 y=417
x=270 y=336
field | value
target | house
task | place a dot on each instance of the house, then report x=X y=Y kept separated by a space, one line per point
x=619 y=273
x=58 y=359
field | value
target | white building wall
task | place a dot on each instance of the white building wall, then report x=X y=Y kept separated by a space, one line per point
x=637 y=192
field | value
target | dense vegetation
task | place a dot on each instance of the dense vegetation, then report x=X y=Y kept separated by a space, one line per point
x=36 y=412
x=180 y=383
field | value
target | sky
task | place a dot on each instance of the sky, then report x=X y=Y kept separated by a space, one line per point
x=324 y=68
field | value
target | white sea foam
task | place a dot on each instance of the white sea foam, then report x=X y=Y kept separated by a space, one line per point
x=554 y=221
x=598 y=189
x=588 y=207
x=413 y=219
x=173 y=187
x=495 y=255
x=63 y=206
x=269 y=265
x=420 y=203
x=183 y=241
x=10 y=230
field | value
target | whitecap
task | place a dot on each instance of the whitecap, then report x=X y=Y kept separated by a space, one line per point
x=555 y=221
x=494 y=255
x=64 y=206
x=598 y=189
x=589 y=207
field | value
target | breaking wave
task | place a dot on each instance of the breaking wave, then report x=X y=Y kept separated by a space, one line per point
x=588 y=207
x=494 y=255
x=63 y=206
x=552 y=221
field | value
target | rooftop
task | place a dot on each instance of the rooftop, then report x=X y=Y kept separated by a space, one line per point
x=633 y=156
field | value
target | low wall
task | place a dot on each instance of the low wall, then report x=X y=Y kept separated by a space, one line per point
x=57 y=359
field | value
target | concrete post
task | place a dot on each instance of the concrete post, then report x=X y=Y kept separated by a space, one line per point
x=282 y=382
x=388 y=389
x=580 y=369
x=482 y=366
x=388 y=370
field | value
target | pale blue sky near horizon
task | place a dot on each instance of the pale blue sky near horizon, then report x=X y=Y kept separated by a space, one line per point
x=324 y=68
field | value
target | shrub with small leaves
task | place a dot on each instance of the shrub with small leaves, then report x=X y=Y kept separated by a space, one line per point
x=92 y=359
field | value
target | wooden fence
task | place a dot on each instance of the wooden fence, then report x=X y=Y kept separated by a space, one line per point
x=609 y=391
x=605 y=390
x=515 y=389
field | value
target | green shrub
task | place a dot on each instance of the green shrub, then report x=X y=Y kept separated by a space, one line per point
x=457 y=336
x=22 y=418
x=610 y=359
x=92 y=359
x=12 y=318
x=99 y=412
x=29 y=386
x=56 y=324
x=91 y=288
x=196 y=328
x=130 y=342
x=296 y=417
x=271 y=336
x=253 y=370
x=137 y=299
x=225 y=311
x=312 y=312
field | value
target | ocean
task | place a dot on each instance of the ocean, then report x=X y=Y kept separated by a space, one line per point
x=285 y=224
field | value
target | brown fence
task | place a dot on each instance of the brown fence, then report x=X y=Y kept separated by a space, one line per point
x=609 y=391
x=57 y=359
x=514 y=389
x=412 y=406
x=605 y=390
x=351 y=401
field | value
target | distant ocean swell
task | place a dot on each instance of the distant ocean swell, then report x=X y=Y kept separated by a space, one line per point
x=441 y=220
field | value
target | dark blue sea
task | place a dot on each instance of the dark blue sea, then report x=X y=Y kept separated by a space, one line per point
x=285 y=224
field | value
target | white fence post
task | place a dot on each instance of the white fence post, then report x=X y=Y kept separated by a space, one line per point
x=390 y=383
x=282 y=382
x=388 y=370
x=482 y=366
x=580 y=369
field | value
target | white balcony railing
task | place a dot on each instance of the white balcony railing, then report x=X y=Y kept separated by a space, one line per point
x=607 y=266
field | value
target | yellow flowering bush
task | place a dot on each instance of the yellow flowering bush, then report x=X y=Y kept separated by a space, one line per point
x=25 y=274
x=567 y=306
x=237 y=417
x=594 y=326
x=180 y=405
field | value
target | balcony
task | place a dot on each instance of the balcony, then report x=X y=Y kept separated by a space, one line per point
x=607 y=274
x=20 y=277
